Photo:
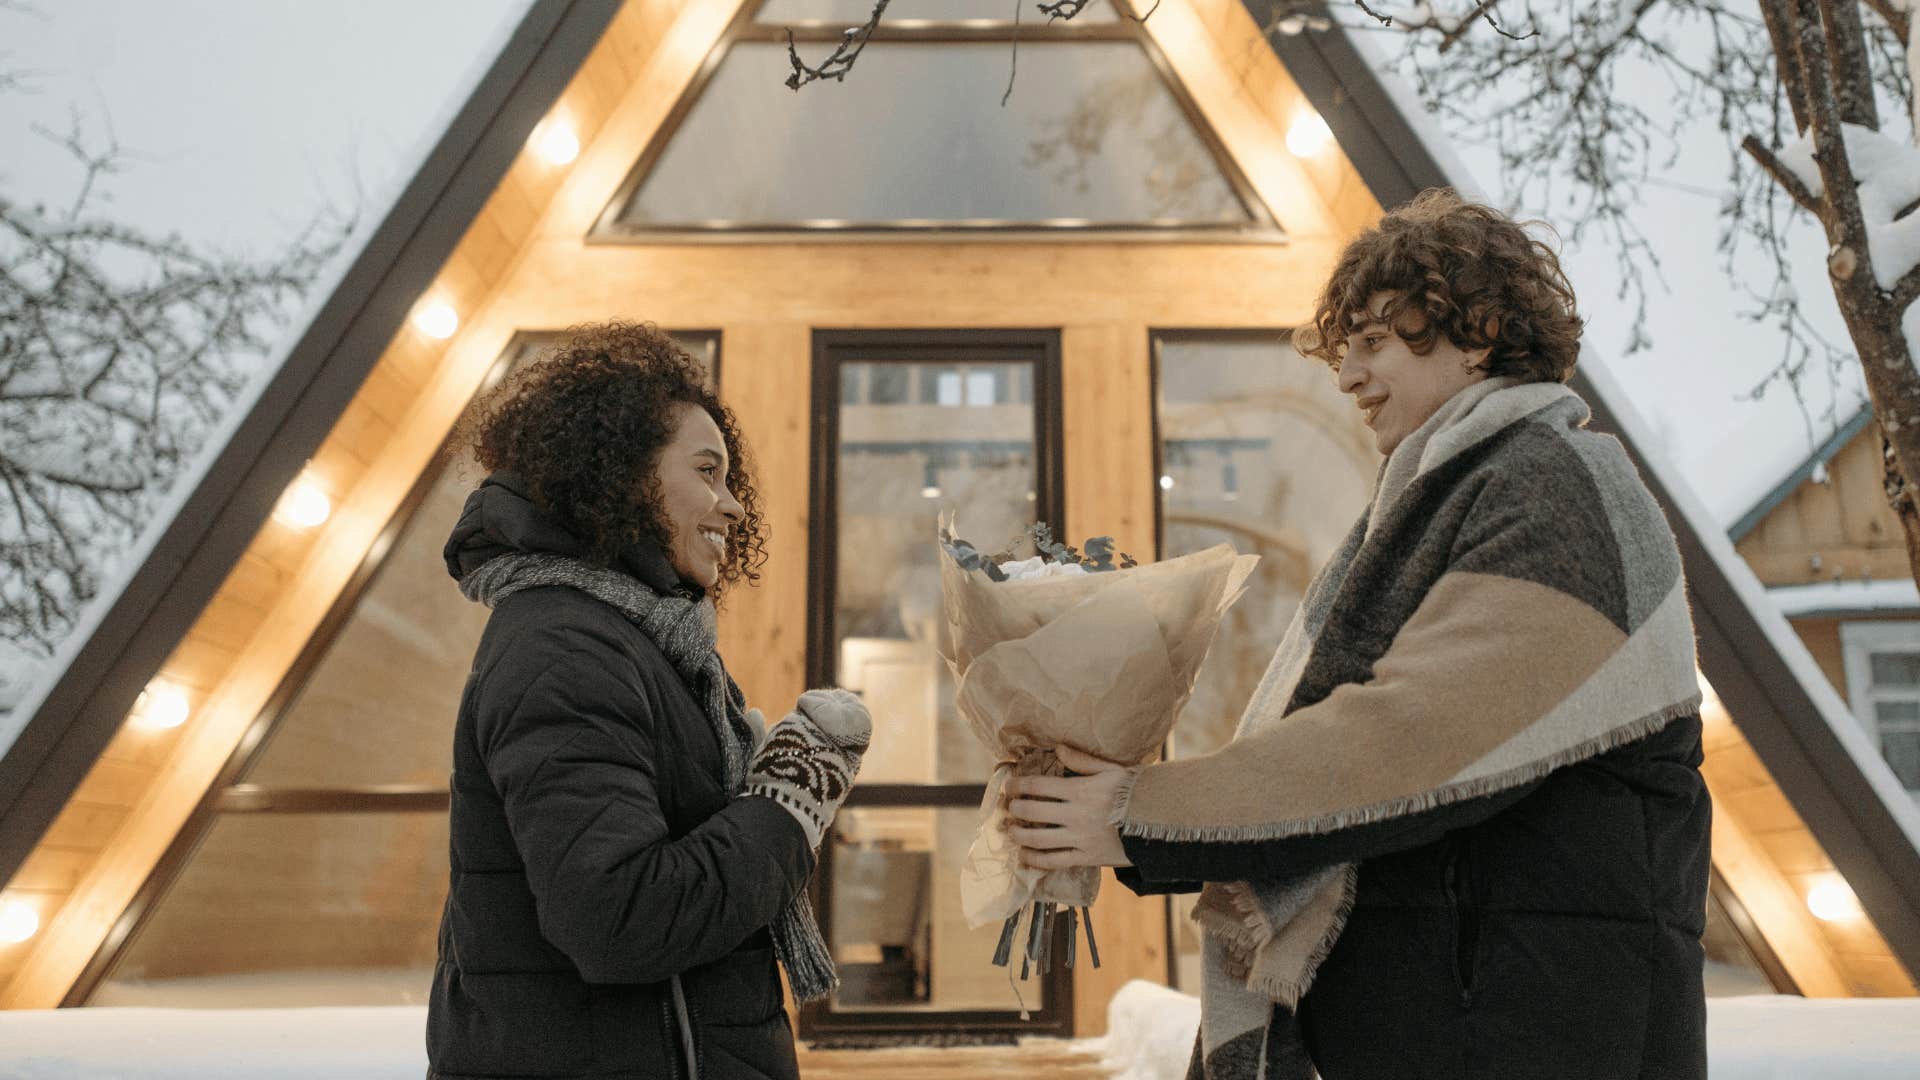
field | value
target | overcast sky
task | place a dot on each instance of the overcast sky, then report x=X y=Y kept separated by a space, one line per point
x=246 y=116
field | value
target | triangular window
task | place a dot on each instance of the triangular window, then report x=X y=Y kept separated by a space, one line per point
x=1097 y=133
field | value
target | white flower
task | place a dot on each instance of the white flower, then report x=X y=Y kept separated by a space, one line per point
x=1039 y=567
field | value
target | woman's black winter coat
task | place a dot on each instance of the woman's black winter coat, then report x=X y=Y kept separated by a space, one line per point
x=596 y=853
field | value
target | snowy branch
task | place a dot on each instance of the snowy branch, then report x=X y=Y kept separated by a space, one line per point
x=1787 y=179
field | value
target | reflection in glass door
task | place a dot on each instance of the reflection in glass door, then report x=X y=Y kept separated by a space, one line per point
x=905 y=425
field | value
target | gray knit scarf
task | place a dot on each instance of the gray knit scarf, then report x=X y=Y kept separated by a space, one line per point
x=686 y=631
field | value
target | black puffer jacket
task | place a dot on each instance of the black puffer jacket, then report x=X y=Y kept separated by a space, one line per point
x=595 y=851
x=1549 y=932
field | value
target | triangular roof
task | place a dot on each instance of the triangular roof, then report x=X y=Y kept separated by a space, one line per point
x=1783 y=707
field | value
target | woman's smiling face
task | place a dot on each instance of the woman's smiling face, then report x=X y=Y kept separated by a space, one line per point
x=700 y=512
x=1395 y=388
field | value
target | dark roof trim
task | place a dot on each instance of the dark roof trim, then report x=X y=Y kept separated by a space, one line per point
x=1780 y=716
x=319 y=376
x=1751 y=520
x=1384 y=148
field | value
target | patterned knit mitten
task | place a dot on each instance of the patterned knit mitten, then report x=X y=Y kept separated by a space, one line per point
x=809 y=760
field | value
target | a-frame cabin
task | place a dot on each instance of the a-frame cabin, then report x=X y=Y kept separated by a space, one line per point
x=1072 y=308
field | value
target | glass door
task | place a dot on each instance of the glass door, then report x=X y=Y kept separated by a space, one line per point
x=906 y=425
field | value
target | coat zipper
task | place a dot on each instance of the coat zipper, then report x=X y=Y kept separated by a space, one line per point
x=684 y=1025
x=1464 y=907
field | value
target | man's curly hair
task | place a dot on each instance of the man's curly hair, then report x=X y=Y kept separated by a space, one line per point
x=1459 y=269
x=583 y=426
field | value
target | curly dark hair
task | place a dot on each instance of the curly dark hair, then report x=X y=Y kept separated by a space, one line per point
x=1460 y=269
x=583 y=426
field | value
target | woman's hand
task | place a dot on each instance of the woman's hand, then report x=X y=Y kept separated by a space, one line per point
x=1061 y=821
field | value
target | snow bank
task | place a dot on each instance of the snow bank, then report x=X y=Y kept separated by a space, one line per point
x=1792 y=1038
x=1150 y=1031
x=1748 y=1038
x=1151 y=1034
x=366 y=1043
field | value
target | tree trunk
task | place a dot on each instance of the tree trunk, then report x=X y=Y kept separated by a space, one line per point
x=1900 y=498
x=1827 y=57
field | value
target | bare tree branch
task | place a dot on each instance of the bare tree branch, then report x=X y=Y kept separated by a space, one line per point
x=120 y=352
x=1896 y=18
x=1906 y=291
x=837 y=65
x=1385 y=20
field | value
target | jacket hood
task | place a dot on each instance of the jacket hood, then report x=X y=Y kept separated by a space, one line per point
x=500 y=518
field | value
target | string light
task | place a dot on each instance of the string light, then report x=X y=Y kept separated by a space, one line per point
x=558 y=144
x=1309 y=135
x=437 y=320
x=18 y=922
x=1832 y=901
x=305 y=505
x=161 y=706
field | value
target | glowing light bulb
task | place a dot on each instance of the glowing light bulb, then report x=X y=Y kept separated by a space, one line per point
x=1309 y=135
x=161 y=707
x=558 y=144
x=304 y=505
x=1166 y=482
x=437 y=320
x=1832 y=901
x=18 y=922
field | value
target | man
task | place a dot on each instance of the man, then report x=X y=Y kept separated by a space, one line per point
x=1461 y=830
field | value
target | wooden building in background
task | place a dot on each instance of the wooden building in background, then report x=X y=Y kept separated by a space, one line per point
x=1071 y=309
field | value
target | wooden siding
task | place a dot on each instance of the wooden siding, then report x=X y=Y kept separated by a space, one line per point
x=1837 y=529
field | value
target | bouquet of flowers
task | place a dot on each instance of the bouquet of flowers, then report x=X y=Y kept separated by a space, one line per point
x=1067 y=647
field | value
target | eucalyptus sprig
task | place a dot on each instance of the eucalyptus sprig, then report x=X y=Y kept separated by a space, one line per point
x=1098 y=557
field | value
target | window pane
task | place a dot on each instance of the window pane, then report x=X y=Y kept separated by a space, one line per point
x=1896 y=669
x=1092 y=135
x=898 y=936
x=887 y=384
x=1902 y=751
x=857 y=12
x=294 y=910
x=1896 y=713
x=379 y=706
x=1263 y=452
x=899 y=465
x=1731 y=968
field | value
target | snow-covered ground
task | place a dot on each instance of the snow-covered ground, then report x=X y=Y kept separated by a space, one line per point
x=1748 y=1038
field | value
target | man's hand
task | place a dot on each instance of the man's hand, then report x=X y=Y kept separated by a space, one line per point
x=1061 y=821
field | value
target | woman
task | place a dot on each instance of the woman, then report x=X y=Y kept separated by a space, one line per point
x=1461 y=830
x=629 y=849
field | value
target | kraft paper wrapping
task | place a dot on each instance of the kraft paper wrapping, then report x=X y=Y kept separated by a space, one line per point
x=1102 y=662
